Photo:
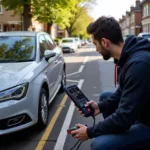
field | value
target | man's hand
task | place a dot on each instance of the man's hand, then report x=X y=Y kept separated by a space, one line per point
x=80 y=133
x=94 y=105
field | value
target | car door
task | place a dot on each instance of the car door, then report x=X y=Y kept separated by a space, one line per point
x=49 y=66
x=58 y=62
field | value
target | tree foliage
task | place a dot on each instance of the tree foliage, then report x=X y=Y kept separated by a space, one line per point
x=54 y=11
x=80 y=18
x=69 y=14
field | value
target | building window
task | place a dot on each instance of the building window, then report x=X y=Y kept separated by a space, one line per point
x=1 y=28
x=13 y=27
x=1 y=9
x=132 y=18
x=127 y=22
x=132 y=31
x=145 y=11
x=145 y=28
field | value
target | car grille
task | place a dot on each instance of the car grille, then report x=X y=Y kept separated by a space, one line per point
x=14 y=121
x=65 y=48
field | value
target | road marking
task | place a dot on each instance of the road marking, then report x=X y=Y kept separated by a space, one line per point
x=85 y=60
x=63 y=133
x=72 y=74
x=51 y=125
x=80 y=69
x=72 y=81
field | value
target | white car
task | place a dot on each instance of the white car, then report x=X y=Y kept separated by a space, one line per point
x=32 y=71
x=68 y=45
x=78 y=41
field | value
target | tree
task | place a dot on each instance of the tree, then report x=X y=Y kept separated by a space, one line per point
x=81 y=10
x=24 y=9
x=54 y=11
x=80 y=25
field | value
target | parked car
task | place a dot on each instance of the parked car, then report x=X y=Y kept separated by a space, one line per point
x=68 y=45
x=145 y=35
x=78 y=42
x=32 y=71
x=83 y=42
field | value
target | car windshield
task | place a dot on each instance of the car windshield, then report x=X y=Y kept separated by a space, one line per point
x=67 y=41
x=17 y=48
x=146 y=36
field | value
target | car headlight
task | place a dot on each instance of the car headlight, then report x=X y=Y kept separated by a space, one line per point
x=15 y=93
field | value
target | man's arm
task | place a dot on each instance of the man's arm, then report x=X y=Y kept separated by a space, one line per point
x=135 y=93
x=110 y=103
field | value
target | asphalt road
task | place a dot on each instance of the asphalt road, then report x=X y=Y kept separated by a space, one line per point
x=93 y=75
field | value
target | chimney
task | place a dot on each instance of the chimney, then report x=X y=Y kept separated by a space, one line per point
x=127 y=13
x=137 y=3
x=131 y=8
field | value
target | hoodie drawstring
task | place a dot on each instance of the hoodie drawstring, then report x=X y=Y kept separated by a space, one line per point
x=116 y=75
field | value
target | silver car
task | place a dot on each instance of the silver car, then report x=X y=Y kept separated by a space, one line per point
x=32 y=71
x=145 y=35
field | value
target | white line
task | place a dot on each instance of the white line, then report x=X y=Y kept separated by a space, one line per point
x=63 y=133
x=72 y=80
x=81 y=68
x=85 y=60
x=79 y=71
x=72 y=74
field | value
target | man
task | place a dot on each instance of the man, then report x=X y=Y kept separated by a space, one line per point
x=127 y=111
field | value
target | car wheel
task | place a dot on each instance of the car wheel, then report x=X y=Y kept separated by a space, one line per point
x=63 y=81
x=43 y=110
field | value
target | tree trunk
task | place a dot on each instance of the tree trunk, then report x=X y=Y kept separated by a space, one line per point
x=69 y=30
x=27 y=18
x=49 y=26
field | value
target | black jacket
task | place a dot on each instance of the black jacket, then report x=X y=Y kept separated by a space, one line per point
x=132 y=98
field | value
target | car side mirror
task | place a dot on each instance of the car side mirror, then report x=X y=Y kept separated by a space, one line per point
x=49 y=54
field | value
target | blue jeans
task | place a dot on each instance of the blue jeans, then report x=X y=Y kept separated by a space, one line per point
x=137 y=137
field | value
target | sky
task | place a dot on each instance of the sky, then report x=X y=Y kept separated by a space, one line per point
x=115 y=8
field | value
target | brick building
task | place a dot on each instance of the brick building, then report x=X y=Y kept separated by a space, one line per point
x=8 y=22
x=145 y=4
x=131 y=22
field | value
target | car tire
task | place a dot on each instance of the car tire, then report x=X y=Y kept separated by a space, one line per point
x=63 y=81
x=43 y=110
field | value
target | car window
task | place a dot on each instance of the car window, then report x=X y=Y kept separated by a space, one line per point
x=67 y=41
x=50 y=42
x=17 y=48
x=146 y=36
x=43 y=45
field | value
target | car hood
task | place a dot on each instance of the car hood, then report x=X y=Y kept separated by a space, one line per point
x=12 y=73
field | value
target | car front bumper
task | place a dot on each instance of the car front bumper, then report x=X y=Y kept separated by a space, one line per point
x=16 y=115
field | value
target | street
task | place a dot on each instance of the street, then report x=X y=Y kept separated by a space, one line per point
x=93 y=75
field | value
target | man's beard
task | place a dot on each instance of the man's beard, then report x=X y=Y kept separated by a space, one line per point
x=106 y=57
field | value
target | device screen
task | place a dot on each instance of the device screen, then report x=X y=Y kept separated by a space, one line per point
x=77 y=94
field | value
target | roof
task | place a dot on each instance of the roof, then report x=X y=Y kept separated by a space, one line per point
x=143 y=1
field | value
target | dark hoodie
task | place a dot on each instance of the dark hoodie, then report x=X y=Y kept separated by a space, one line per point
x=132 y=98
